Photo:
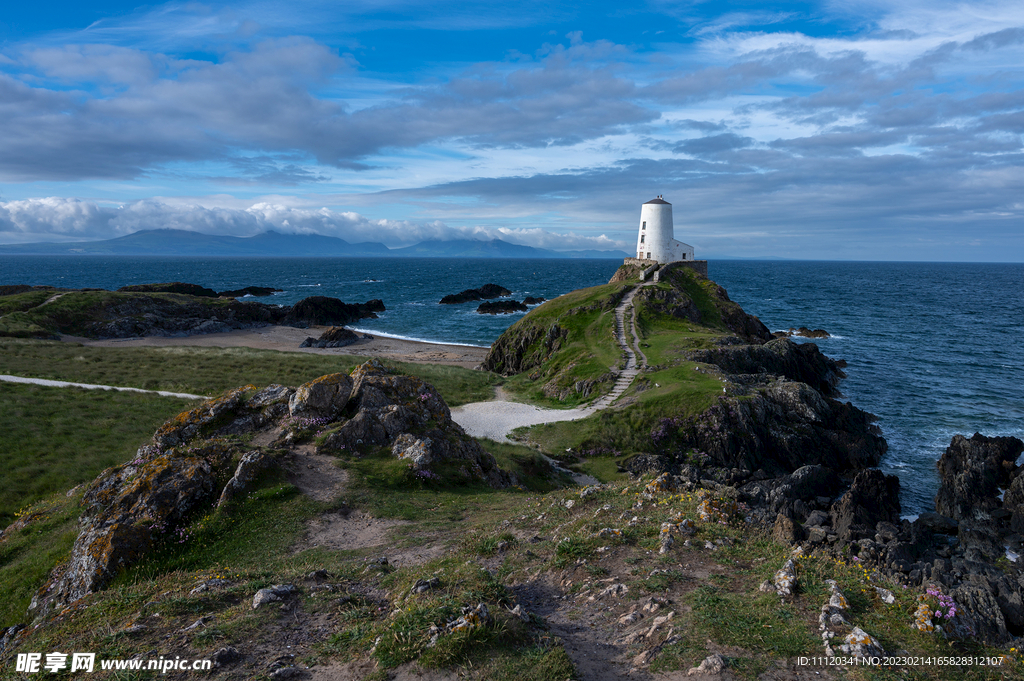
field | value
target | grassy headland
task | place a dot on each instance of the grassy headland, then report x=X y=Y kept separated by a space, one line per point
x=593 y=588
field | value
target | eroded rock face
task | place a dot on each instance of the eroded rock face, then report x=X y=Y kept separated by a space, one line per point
x=801 y=362
x=972 y=471
x=872 y=498
x=782 y=428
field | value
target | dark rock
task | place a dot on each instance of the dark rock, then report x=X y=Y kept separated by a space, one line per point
x=939 y=524
x=804 y=332
x=10 y=632
x=816 y=535
x=873 y=497
x=249 y=468
x=321 y=398
x=980 y=541
x=485 y=292
x=126 y=508
x=786 y=426
x=816 y=519
x=171 y=287
x=389 y=406
x=501 y=307
x=978 y=612
x=802 y=362
x=325 y=311
x=257 y=291
x=971 y=473
x=334 y=337
x=644 y=464
x=530 y=300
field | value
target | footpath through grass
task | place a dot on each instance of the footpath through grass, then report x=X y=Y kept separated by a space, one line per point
x=210 y=371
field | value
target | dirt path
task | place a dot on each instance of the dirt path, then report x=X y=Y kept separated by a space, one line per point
x=317 y=476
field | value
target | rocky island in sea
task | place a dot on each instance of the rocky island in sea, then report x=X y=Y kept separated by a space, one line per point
x=351 y=526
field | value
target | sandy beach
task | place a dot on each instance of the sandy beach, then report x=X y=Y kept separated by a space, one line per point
x=287 y=339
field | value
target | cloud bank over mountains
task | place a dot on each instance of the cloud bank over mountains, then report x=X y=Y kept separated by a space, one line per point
x=873 y=130
x=63 y=219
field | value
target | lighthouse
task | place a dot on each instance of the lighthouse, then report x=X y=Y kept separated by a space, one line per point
x=656 y=239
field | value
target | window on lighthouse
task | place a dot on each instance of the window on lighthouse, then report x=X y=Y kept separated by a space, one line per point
x=643 y=225
x=642 y=238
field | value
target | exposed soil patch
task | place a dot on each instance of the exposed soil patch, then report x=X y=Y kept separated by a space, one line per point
x=316 y=475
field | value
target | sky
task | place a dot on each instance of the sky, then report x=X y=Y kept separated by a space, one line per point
x=853 y=130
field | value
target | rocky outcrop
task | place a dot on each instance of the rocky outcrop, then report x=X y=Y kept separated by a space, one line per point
x=873 y=498
x=126 y=509
x=530 y=300
x=407 y=416
x=325 y=311
x=193 y=465
x=777 y=430
x=961 y=557
x=334 y=337
x=501 y=307
x=973 y=471
x=323 y=398
x=197 y=290
x=803 y=332
x=485 y=292
x=174 y=309
x=171 y=287
x=802 y=362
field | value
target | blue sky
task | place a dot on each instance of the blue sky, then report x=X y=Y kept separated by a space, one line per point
x=847 y=130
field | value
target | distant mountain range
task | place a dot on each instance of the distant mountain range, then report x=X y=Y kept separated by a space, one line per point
x=274 y=244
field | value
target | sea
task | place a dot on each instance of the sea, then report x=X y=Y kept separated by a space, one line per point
x=933 y=349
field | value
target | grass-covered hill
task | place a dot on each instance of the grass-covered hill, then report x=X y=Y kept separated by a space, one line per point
x=344 y=528
x=715 y=387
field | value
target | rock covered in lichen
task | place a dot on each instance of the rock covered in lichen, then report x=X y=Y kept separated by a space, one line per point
x=124 y=511
x=407 y=415
x=323 y=397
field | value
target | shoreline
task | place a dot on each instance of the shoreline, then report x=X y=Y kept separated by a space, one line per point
x=287 y=339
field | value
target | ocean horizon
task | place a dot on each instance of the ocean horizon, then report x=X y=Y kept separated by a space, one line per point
x=933 y=349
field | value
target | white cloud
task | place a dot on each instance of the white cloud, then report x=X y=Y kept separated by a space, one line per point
x=61 y=219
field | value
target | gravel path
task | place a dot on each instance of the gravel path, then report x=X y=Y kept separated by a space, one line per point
x=90 y=386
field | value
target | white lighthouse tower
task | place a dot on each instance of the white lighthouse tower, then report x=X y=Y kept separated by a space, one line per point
x=656 y=240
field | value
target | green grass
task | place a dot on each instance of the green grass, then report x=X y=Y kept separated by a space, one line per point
x=56 y=438
x=682 y=392
x=254 y=536
x=210 y=371
x=588 y=350
x=664 y=338
x=28 y=554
